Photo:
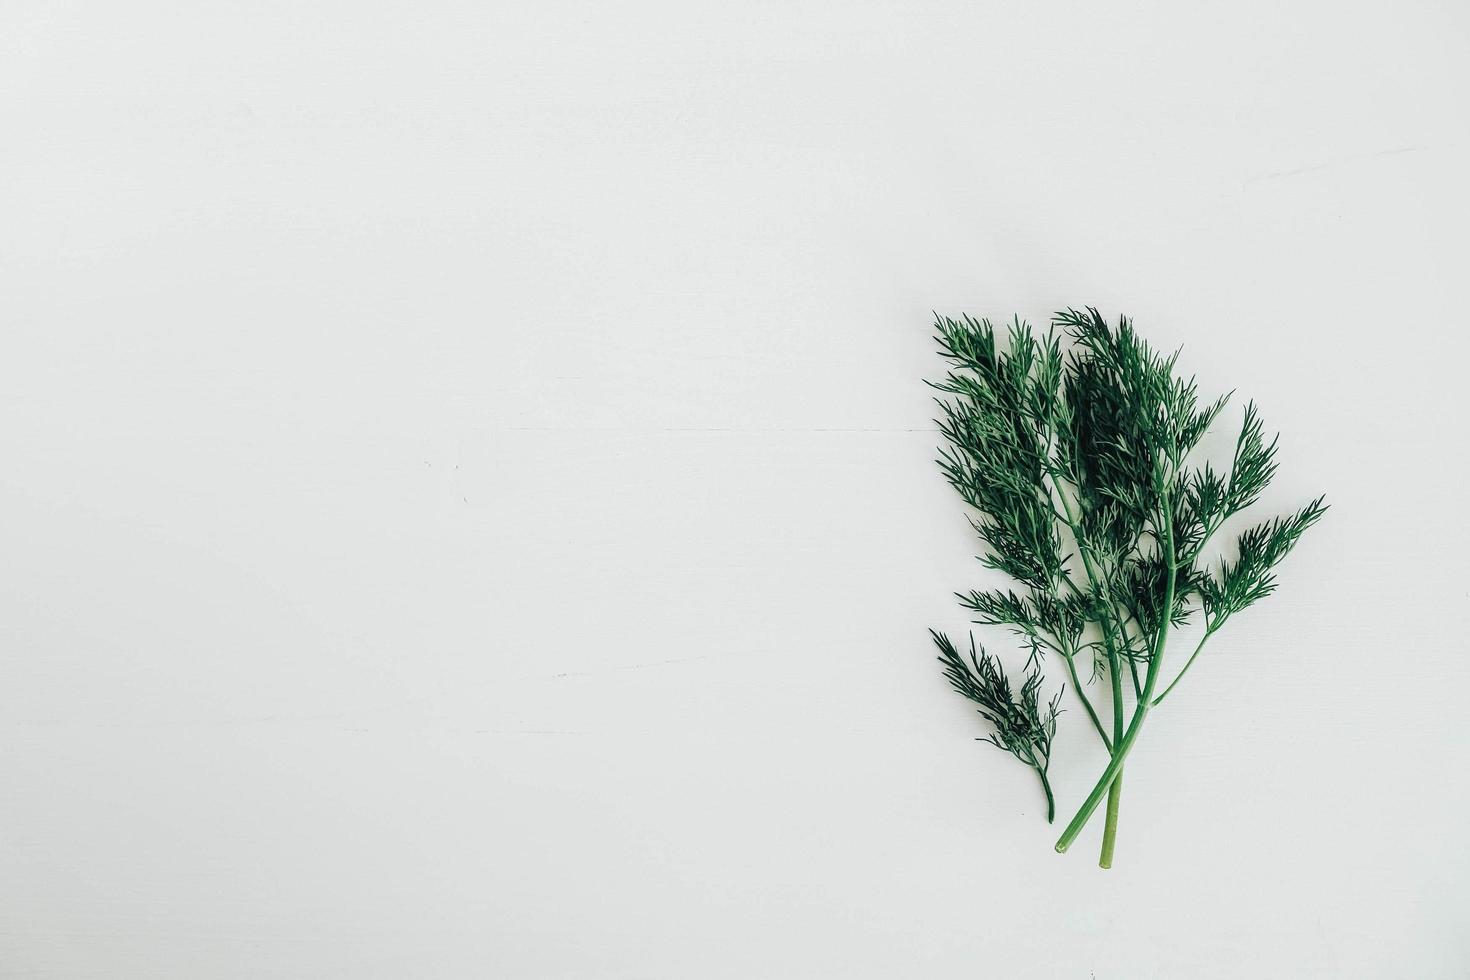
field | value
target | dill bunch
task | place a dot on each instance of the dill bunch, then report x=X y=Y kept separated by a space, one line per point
x=1079 y=467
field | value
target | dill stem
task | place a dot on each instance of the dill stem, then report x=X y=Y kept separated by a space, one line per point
x=1187 y=664
x=1086 y=701
x=1051 y=803
x=1124 y=744
x=1110 y=827
x=1120 y=750
x=1099 y=585
x=1115 y=673
x=1127 y=640
x=1115 y=789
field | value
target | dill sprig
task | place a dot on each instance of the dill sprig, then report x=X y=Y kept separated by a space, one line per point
x=1078 y=466
x=1022 y=726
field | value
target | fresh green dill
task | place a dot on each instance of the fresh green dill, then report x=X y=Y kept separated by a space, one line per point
x=1022 y=726
x=1078 y=465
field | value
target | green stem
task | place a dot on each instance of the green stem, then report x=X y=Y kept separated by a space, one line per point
x=1115 y=766
x=1115 y=675
x=1110 y=827
x=1187 y=664
x=1051 y=803
x=1101 y=586
x=1086 y=702
x=1132 y=662
x=1057 y=645
x=1124 y=745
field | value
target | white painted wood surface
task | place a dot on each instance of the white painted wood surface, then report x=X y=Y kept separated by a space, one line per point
x=468 y=508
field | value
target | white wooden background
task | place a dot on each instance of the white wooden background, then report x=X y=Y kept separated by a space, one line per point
x=468 y=506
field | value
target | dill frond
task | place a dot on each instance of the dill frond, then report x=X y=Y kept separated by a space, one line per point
x=1074 y=450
